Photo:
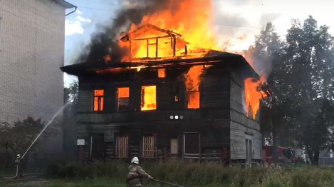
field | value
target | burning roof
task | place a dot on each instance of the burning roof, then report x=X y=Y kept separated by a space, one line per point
x=152 y=47
x=212 y=58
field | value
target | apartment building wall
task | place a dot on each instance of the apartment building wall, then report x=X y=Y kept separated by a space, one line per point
x=32 y=36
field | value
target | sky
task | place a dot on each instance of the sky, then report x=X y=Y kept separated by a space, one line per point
x=233 y=19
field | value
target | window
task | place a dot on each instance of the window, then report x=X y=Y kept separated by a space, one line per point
x=97 y=146
x=121 y=146
x=98 y=100
x=191 y=143
x=161 y=73
x=176 y=92
x=148 y=98
x=193 y=99
x=174 y=146
x=193 y=86
x=123 y=98
x=148 y=146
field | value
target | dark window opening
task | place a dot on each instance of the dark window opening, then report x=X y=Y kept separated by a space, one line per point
x=97 y=147
x=191 y=143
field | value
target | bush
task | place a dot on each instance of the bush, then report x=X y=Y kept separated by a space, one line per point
x=200 y=174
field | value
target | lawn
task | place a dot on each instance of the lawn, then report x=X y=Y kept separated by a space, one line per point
x=185 y=174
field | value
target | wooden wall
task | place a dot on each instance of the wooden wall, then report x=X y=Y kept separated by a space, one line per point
x=242 y=127
x=220 y=120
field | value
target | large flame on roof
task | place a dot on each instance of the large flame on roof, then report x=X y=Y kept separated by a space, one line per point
x=193 y=19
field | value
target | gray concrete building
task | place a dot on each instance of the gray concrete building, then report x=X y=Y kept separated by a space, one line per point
x=32 y=39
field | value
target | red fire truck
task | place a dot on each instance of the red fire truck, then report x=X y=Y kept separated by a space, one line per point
x=285 y=154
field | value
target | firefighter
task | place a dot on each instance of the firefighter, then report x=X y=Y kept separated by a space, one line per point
x=136 y=174
x=18 y=164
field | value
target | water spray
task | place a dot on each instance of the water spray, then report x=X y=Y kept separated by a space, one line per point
x=61 y=109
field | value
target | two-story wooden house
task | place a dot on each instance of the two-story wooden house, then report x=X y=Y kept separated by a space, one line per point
x=153 y=113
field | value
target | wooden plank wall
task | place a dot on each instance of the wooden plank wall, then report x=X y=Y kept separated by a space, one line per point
x=215 y=89
x=242 y=126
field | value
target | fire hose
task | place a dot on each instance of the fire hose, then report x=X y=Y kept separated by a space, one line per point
x=171 y=184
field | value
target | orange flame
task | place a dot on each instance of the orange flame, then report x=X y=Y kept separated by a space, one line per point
x=149 y=101
x=192 y=85
x=107 y=58
x=193 y=19
x=252 y=96
x=161 y=73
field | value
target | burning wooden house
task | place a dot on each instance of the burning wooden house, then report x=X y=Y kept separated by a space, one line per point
x=153 y=107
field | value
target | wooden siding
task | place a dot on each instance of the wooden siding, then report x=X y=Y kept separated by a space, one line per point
x=238 y=134
x=221 y=120
x=127 y=117
x=84 y=130
x=215 y=91
x=85 y=101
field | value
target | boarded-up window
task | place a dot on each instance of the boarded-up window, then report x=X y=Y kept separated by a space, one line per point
x=191 y=143
x=122 y=146
x=148 y=99
x=98 y=100
x=148 y=146
x=123 y=98
x=174 y=146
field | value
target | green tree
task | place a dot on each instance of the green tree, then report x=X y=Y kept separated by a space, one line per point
x=309 y=56
x=17 y=137
x=267 y=56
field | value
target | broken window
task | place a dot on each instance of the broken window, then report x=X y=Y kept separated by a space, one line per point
x=176 y=92
x=191 y=143
x=121 y=146
x=193 y=99
x=148 y=146
x=123 y=98
x=148 y=98
x=193 y=86
x=98 y=100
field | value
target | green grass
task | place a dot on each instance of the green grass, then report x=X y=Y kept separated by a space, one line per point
x=186 y=174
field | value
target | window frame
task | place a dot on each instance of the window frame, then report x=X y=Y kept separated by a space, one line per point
x=142 y=98
x=99 y=97
x=199 y=144
x=118 y=98
x=199 y=97
x=116 y=146
x=142 y=143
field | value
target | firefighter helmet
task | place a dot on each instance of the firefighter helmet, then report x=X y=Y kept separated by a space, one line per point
x=135 y=160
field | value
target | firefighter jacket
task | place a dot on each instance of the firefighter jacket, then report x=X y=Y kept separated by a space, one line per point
x=135 y=176
x=18 y=161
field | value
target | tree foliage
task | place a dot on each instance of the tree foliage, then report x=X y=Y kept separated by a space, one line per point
x=17 y=137
x=299 y=69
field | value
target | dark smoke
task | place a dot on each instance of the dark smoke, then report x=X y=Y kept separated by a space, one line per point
x=105 y=42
